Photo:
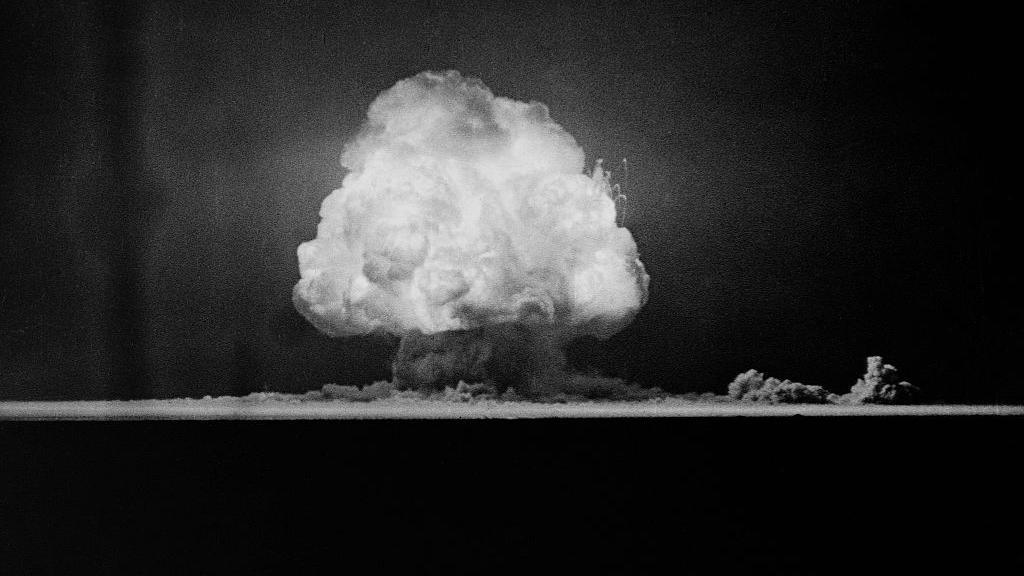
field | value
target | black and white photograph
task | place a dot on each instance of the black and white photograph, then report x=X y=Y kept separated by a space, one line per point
x=586 y=267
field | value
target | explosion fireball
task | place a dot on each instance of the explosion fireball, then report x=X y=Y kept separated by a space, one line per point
x=466 y=221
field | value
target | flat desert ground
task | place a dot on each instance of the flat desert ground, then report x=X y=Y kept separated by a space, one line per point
x=280 y=407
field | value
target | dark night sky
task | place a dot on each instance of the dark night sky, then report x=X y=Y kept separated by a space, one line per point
x=811 y=183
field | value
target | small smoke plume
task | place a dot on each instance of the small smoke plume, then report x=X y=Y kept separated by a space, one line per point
x=752 y=386
x=375 y=391
x=467 y=226
x=881 y=385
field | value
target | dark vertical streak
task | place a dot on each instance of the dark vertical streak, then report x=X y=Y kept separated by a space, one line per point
x=124 y=193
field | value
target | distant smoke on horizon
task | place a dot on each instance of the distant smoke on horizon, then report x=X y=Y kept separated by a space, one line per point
x=879 y=385
x=752 y=386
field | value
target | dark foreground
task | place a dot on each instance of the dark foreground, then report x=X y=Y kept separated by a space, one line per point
x=699 y=495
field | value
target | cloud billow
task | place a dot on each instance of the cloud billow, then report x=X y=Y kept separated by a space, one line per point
x=463 y=210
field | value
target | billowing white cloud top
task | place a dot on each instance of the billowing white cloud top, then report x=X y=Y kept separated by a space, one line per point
x=461 y=210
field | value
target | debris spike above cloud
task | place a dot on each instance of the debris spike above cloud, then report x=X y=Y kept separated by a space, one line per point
x=462 y=210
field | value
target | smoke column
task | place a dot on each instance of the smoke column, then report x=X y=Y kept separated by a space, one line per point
x=467 y=226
